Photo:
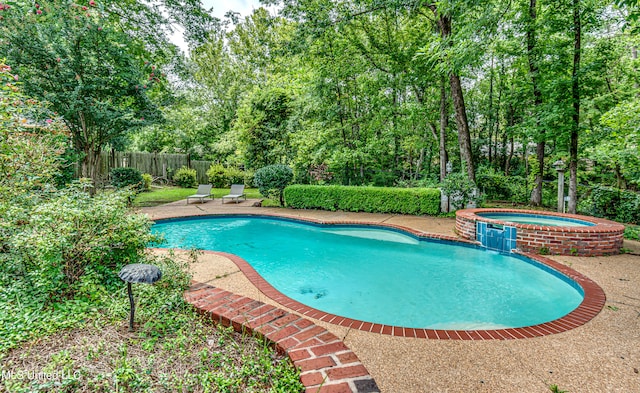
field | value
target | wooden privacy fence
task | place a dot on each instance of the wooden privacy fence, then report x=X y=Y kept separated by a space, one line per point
x=155 y=164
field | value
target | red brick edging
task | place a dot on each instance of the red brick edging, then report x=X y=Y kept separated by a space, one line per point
x=326 y=364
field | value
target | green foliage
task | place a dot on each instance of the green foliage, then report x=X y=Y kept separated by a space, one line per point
x=249 y=178
x=632 y=232
x=262 y=127
x=59 y=264
x=216 y=175
x=169 y=334
x=460 y=190
x=185 y=177
x=222 y=177
x=271 y=180
x=555 y=389
x=496 y=186
x=364 y=199
x=612 y=203
x=147 y=179
x=87 y=67
x=72 y=235
x=126 y=177
x=234 y=176
x=32 y=141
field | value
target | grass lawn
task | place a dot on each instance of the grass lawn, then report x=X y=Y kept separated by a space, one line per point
x=158 y=196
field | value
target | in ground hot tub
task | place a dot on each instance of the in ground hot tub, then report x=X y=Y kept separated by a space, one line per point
x=542 y=232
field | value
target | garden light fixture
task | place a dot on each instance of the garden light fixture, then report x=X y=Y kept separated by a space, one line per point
x=138 y=273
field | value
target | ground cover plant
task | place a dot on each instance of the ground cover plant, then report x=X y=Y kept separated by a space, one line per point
x=172 y=349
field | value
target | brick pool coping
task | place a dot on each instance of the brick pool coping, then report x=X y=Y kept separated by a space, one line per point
x=591 y=305
x=326 y=364
x=604 y=238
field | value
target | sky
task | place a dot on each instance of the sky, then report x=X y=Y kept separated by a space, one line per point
x=221 y=7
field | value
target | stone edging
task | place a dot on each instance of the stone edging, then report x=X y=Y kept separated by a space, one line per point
x=326 y=364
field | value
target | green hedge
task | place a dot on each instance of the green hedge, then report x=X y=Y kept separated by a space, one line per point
x=364 y=199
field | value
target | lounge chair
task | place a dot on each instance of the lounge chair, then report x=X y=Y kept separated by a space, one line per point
x=237 y=192
x=204 y=191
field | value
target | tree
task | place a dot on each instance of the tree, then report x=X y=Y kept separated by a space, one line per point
x=70 y=57
x=94 y=64
x=262 y=128
x=575 y=95
x=532 y=57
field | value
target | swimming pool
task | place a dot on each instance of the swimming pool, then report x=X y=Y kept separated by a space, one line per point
x=386 y=276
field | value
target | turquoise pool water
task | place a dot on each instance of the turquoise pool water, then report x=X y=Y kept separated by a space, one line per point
x=536 y=219
x=385 y=276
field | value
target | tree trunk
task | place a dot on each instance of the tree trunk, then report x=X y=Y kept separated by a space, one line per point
x=536 y=193
x=90 y=166
x=444 y=122
x=490 y=114
x=575 y=93
x=464 y=138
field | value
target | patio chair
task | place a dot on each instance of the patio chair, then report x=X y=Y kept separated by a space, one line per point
x=204 y=191
x=237 y=192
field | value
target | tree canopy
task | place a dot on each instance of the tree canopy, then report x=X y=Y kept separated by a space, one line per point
x=352 y=92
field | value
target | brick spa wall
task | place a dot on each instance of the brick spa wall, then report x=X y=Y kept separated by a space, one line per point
x=604 y=238
x=326 y=364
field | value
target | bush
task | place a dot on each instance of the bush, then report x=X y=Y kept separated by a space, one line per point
x=126 y=177
x=496 y=186
x=364 y=199
x=272 y=179
x=185 y=177
x=234 y=176
x=216 y=175
x=222 y=177
x=248 y=178
x=146 y=181
x=612 y=203
x=73 y=234
x=632 y=232
x=460 y=190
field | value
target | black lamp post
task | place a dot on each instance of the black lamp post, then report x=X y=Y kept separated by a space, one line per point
x=138 y=273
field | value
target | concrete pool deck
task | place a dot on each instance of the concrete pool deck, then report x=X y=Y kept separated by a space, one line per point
x=602 y=355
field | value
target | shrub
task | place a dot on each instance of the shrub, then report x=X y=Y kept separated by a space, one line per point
x=367 y=199
x=185 y=177
x=496 y=186
x=272 y=179
x=126 y=177
x=460 y=190
x=248 y=178
x=222 y=177
x=72 y=234
x=612 y=203
x=234 y=176
x=632 y=232
x=146 y=181
x=216 y=175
